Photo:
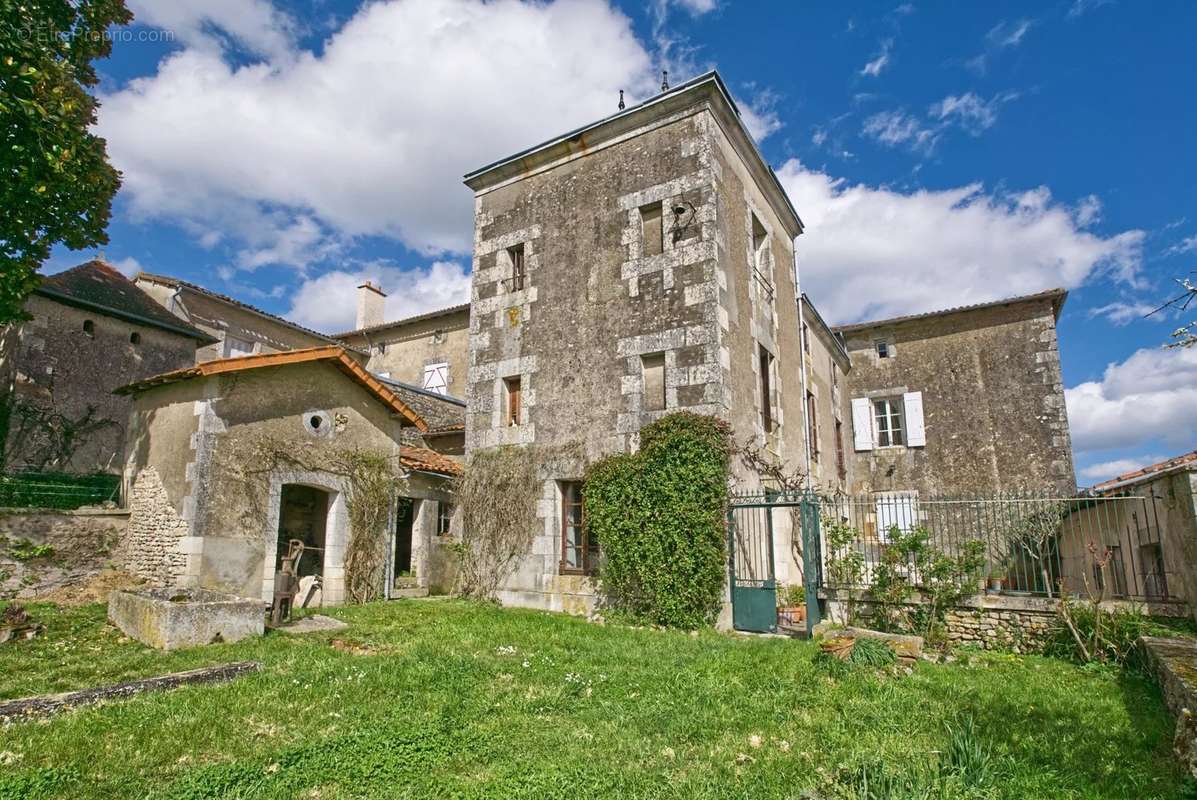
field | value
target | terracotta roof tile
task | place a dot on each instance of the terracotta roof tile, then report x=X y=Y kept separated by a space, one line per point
x=1188 y=460
x=425 y=460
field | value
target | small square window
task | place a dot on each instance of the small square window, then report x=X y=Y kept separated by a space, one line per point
x=653 y=373
x=882 y=348
x=512 y=395
x=652 y=229
x=519 y=271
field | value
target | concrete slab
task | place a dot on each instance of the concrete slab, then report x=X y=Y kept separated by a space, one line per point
x=313 y=624
x=172 y=618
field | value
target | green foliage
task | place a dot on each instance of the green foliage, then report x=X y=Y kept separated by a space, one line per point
x=56 y=185
x=916 y=583
x=659 y=516
x=57 y=490
x=1109 y=634
x=870 y=652
x=25 y=550
x=370 y=492
x=590 y=715
x=845 y=564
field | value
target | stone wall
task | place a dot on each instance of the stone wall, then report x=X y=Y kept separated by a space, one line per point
x=403 y=349
x=82 y=544
x=64 y=376
x=153 y=549
x=992 y=399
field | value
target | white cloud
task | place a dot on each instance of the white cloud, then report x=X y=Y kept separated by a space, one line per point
x=1105 y=470
x=893 y=128
x=1080 y=7
x=1185 y=245
x=874 y=68
x=697 y=7
x=371 y=136
x=127 y=266
x=969 y=111
x=760 y=113
x=1008 y=34
x=1121 y=312
x=253 y=25
x=871 y=252
x=1145 y=401
x=329 y=303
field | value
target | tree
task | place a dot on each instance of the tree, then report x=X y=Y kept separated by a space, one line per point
x=1185 y=335
x=56 y=185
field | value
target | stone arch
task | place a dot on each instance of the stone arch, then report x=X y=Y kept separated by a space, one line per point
x=336 y=531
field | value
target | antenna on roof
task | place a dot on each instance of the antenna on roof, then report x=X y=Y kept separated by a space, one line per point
x=621 y=99
x=664 y=80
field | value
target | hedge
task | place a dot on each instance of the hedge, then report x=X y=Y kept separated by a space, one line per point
x=659 y=517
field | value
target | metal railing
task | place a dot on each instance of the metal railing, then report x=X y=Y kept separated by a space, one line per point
x=1033 y=544
x=58 y=490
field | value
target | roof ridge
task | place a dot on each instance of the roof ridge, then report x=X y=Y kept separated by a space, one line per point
x=403 y=320
x=1040 y=295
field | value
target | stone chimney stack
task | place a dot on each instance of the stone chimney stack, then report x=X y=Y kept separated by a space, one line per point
x=370 y=302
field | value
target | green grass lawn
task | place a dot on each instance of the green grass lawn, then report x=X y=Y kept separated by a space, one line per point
x=457 y=700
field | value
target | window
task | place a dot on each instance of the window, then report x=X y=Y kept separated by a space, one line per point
x=887 y=414
x=812 y=422
x=806 y=338
x=436 y=378
x=512 y=394
x=766 y=368
x=882 y=348
x=652 y=230
x=652 y=369
x=444 y=518
x=89 y=327
x=235 y=348
x=134 y=338
x=579 y=553
x=760 y=245
x=518 y=271
x=840 y=466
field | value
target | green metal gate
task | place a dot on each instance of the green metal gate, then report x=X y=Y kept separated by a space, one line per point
x=752 y=571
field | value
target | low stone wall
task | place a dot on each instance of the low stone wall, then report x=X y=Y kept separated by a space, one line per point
x=1173 y=662
x=47 y=553
x=992 y=622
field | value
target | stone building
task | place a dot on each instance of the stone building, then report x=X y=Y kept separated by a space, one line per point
x=969 y=399
x=826 y=363
x=229 y=459
x=1147 y=519
x=430 y=350
x=91 y=330
x=236 y=328
x=635 y=267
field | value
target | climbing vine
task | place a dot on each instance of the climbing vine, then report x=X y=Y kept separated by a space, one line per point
x=497 y=497
x=38 y=438
x=371 y=479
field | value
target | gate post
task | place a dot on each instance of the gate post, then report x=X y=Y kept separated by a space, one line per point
x=809 y=515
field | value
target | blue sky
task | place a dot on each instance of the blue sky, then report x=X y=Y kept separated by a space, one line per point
x=939 y=154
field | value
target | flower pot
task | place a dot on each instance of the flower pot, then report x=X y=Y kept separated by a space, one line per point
x=995 y=585
x=791 y=615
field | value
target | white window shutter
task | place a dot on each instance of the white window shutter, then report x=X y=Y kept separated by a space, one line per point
x=916 y=433
x=862 y=423
x=436 y=378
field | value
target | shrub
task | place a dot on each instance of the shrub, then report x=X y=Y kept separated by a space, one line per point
x=659 y=516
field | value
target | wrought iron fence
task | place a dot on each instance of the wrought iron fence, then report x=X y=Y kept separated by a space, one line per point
x=57 y=490
x=1032 y=544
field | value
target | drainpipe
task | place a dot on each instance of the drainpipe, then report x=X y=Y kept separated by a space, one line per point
x=802 y=357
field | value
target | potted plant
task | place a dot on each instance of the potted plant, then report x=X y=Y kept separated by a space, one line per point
x=995 y=582
x=791 y=605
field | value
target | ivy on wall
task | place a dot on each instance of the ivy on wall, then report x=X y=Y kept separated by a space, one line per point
x=659 y=516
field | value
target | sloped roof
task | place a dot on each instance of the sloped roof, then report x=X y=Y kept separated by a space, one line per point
x=1057 y=296
x=176 y=283
x=424 y=460
x=440 y=312
x=336 y=356
x=442 y=412
x=1186 y=461
x=99 y=286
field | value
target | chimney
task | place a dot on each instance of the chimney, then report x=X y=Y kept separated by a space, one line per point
x=370 y=302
